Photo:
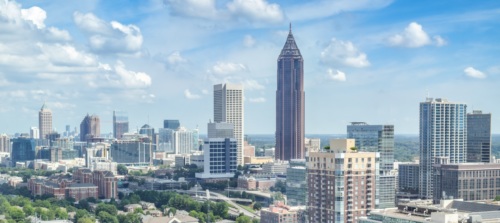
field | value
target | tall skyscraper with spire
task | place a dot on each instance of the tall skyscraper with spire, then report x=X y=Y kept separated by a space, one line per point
x=290 y=102
x=44 y=121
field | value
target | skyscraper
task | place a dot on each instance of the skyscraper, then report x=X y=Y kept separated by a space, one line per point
x=228 y=107
x=478 y=137
x=171 y=124
x=5 y=146
x=44 y=121
x=290 y=101
x=34 y=133
x=120 y=124
x=90 y=127
x=443 y=134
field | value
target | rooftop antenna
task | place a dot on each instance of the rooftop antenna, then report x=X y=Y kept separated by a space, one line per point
x=290 y=27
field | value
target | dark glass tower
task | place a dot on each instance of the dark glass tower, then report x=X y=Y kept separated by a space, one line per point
x=290 y=102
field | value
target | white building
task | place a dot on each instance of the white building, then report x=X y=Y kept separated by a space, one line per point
x=5 y=145
x=34 y=133
x=276 y=167
x=185 y=141
x=229 y=107
x=220 y=158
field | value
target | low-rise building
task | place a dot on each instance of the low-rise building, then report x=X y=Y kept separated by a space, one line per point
x=257 y=159
x=280 y=213
x=276 y=167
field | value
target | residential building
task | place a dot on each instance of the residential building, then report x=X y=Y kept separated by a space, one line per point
x=341 y=182
x=220 y=155
x=280 y=213
x=5 y=145
x=185 y=141
x=171 y=124
x=290 y=102
x=106 y=182
x=34 y=133
x=478 y=137
x=467 y=181
x=44 y=121
x=248 y=151
x=90 y=128
x=81 y=191
x=312 y=145
x=443 y=133
x=256 y=183
x=378 y=138
x=408 y=177
x=229 y=108
x=120 y=124
x=276 y=167
x=296 y=183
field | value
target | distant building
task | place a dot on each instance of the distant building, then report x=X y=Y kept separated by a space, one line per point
x=443 y=133
x=166 y=140
x=147 y=131
x=478 y=137
x=220 y=157
x=133 y=150
x=120 y=124
x=296 y=183
x=171 y=124
x=105 y=181
x=312 y=145
x=5 y=145
x=23 y=149
x=44 y=121
x=276 y=167
x=256 y=183
x=34 y=133
x=220 y=130
x=229 y=108
x=185 y=141
x=408 y=177
x=248 y=151
x=280 y=213
x=90 y=127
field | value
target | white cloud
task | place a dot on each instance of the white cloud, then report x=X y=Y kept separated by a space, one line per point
x=190 y=95
x=36 y=15
x=414 y=36
x=130 y=78
x=310 y=10
x=472 y=72
x=345 y=53
x=112 y=37
x=66 y=55
x=256 y=10
x=193 y=8
x=248 y=41
x=252 y=85
x=258 y=100
x=175 y=58
x=336 y=75
x=225 y=68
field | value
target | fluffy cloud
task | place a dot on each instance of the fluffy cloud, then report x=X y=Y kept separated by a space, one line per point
x=252 y=85
x=256 y=10
x=414 y=36
x=36 y=15
x=344 y=52
x=189 y=95
x=66 y=55
x=193 y=8
x=336 y=75
x=248 y=41
x=258 y=100
x=472 y=72
x=130 y=78
x=112 y=37
x=175 y=58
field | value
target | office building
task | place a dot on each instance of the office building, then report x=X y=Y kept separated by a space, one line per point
x=220 y=130
x=467 y=181
x=220 y=155
x=90 y=128
x=478 y=137
x=44 y=121
x=133 y=150
x=166 y=140
x=185 y=141
x=443 y=133
x=23 y=149
x=296 y=183
x=5 y=145
x=147 y=131
x=34 y=133
x=408 y=177
x=275 y=167
x=281 y=213
x=290 y=102
x=120 y=124
x=171 y=124
x=378 y=138
x=341 y=183
x=229 y=108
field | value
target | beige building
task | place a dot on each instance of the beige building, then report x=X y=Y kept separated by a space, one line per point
x=248 y=150
x=280 y=213
x=341 y=182
x=44 y=121
x=312 y=145
x=5 y=145
x=258 y=159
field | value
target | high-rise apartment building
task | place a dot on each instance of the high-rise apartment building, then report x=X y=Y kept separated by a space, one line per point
x=229 y=108
x=290 y=102
x=443 y=133
x=296 y=183
x=44 y=121
x=378 y=138
x=120 y=124
x=90 y=127
x=341 y=182
x=185 y=141
x=34 y=133
x=408 y=177
x=478 y=137
x=5 y=145
x=171 y=124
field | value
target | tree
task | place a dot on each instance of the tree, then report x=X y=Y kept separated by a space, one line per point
x=257 y=206
x=243 y=219
x=105 y=217
x=81 y=214
x=85 y=220
x=497 y=198
x=16 y=214
x=110 y=209
x=122 y=169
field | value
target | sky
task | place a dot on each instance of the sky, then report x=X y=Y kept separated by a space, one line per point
x=365 y=60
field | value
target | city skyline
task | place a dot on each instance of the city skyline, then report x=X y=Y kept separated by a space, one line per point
x=158 y=60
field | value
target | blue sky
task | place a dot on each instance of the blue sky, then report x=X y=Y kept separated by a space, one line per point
x=366 y=60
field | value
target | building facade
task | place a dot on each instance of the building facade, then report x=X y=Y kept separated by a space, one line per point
x=296 y=183
x=185 y=141
x=220 y=130
x=220 y=158
x=5 y=145
x=312 y=145
x=23 y=149
x=44 y=121
x=90 y=128
x=34 y=133
x=120 y=124
x=132 y=151
x=229 y=107
x=341 y=183
x=443 y=133
x=171 y=124
x=280 y=213
x=478 y=137
x=408 y=178
x=290 y=102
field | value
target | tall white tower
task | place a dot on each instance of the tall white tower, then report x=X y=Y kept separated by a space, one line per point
x=44 y=121
x=229 y=107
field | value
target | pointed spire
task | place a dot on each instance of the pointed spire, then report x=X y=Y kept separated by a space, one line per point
x=290 y=48
x=290 y=27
